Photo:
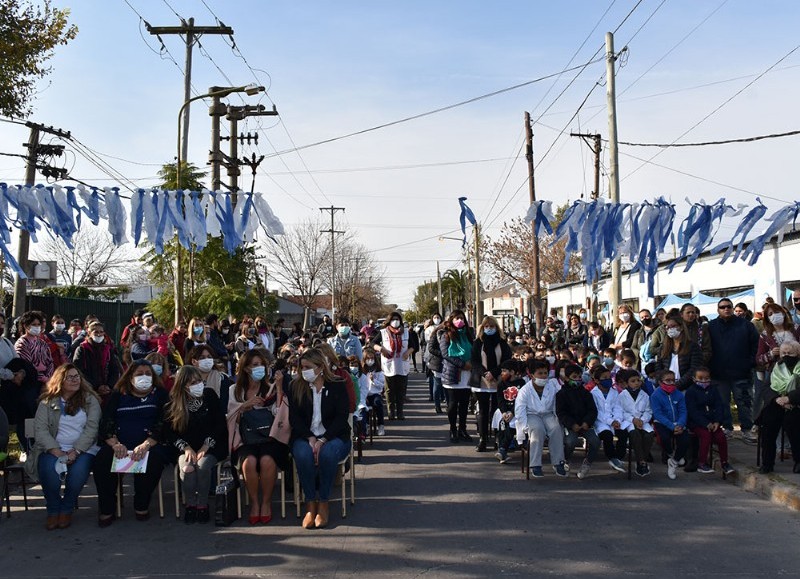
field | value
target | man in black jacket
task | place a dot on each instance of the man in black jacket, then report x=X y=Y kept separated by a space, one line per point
x=734 y=343
x=577 y=413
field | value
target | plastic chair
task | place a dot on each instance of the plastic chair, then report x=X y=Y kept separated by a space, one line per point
x=159 y=490
x=179 y=487
x=280 y=480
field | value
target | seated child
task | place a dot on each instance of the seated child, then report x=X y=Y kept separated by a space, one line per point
x=534 y=410
x=636 y=416
x=704 y=411
x=512 y=374
x=371 y=368
x=361 y=385
x=669 y=416
x=595 y=376
x=609 y=355
x=649 y=378
x=626 y=360
x=577 y=413
x=609 y=419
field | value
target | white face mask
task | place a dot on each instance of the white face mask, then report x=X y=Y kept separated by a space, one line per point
x=309 y=375
x=196 y=390
x=206 y=364
x=540 y=382
x=35 y=330
x=99 y=339
x=143 y=383
x=58 y=327
x=551 y=359
x=395 y=323
x=776 y=319
x=673 y=332
x=370 y=363
x=625 y=317
x=437 y=321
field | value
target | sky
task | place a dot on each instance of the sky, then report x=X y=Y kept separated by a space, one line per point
x=332 y=69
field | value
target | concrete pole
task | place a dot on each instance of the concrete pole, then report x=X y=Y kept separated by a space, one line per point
x=537 y=291
x=478 y=301
x=615 y=295
x=20 y=283
x=187 y=88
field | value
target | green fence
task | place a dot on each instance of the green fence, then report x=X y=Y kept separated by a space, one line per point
x=114 y=315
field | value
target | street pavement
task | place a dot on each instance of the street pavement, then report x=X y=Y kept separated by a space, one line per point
x=428 y=507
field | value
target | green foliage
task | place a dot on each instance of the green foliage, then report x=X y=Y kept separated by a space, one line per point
x=191 y=176
x=28 y=35
x=83 y=292
x=425 y=304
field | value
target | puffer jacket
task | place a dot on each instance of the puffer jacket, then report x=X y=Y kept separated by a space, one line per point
x=451 y=367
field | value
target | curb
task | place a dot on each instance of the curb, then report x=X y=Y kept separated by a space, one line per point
x=773 y=487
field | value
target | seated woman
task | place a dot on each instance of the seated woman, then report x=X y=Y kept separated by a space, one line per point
x=67 y=419
x=202 y=358
x=258 y=462
x=318 y=412
x=195 y=426
x=782 y=407
x=132 y=426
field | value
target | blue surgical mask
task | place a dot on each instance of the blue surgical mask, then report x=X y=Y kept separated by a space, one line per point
x=490 y=331
x=258 y=372
x=606 y=383
x=197 y=330
x=157 y=369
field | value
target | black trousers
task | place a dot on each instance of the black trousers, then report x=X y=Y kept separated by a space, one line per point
x=773 y=417
x=610 y=449
x=143 y=484
x=457 y=405
x=487 y=404
x=397 y=386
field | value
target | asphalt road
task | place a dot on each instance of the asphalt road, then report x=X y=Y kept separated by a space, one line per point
x=426 y=507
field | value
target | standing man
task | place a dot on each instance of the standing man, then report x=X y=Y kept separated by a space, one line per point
x=734 y=343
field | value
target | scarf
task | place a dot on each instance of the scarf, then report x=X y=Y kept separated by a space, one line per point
x=634 y=393
x=461 y=347
x=395 y=341
x=781 y=378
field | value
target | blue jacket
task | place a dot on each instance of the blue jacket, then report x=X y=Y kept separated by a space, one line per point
x=668 y=409
x=734 y=344
x=350 y=346
x=703 y=406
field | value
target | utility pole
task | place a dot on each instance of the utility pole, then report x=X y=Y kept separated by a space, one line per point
x=34 y=148
x=191 y=33
x=615 y=296
x=478 y=301
x=333 y=233
x=232 y=163
x=217 y=110
x=537 y=290
x=439 y=304
x=597 y=150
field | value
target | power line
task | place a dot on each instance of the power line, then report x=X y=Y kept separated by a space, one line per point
x=707 y=143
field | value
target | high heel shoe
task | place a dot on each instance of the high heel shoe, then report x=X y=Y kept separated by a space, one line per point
x=264 y=519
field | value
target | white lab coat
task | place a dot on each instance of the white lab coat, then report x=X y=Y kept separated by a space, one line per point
x=639 y=408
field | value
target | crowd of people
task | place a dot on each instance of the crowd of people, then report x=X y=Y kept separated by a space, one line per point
x=213 y=388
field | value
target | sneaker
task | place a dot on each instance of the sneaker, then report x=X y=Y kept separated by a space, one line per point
x=566 y=465
x=560 y=468
x=646 y=470
x=754 y=429
x=672 y=466
x=381 y=430
x=501 y=456
x=537 y=472
x=705 y=469
x=682 y=462
x=584 y=470
x=728 y=433
x=641 y=470
x=727 y=468
x=616 y=464
x=749 y=436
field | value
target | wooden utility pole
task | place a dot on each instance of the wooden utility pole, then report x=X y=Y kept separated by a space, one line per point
x=478 y=301
x=536 y=300
x=191 y=33
x=232 y=162
x=615 y=295
x=333 y=233
x=439 y=304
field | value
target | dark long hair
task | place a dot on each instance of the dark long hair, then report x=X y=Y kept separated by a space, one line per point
x=451 y=330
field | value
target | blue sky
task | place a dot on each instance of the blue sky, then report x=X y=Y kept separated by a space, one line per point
x=338 y=67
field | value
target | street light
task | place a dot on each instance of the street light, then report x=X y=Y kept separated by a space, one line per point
x=214 y=92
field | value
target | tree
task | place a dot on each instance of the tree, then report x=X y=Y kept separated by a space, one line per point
x=425 y=304
x=298 y=260
x=359 y=287
x=510 y=256
x=94 y=260
x=28 y=37
x=455 y=288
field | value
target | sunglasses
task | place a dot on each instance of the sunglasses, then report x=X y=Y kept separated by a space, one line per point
x=725 y=307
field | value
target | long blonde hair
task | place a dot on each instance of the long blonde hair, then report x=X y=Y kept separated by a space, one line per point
x=301 y=390
x=54 y=386
x=177 y=408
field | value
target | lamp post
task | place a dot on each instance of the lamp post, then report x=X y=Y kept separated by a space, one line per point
x=215 y=92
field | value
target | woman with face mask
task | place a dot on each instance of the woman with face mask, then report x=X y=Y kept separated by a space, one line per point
x=393 y=344
x=245 y=341
x=32 y=347
x=489 y=351
x=258 y=463
x=778 y=328
x=162 y=370
x=678 y=353
x=625 y=329
x=320 y=433
x=195 y=427
x=139 y=345
x=434 y=362
x=195 y=336
x=132 y=425
x=202 y=358
x=371 y=368
x=455 y=344
x=96 y=359
x=781 y=407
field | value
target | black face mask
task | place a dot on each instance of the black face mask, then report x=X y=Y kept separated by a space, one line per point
x=647 y=322
x=789 y=361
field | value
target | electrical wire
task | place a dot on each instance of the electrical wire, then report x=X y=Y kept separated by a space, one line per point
x=708 y=143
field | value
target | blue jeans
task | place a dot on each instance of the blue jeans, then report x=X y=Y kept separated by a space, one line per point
x=77 y=475
x=330 y=455
x=439 y=394
x=592 y=444
x=742 y=395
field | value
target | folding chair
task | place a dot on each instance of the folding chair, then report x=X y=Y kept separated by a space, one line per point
x=179 y=487
x=159 y=490
x=6 y=470
x=281 y=480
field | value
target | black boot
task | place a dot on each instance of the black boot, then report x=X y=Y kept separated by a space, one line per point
x=400 y=415
x=462 y=435
x=481 y=445
x=392 y=414
x=439 y=409
x=453 y=436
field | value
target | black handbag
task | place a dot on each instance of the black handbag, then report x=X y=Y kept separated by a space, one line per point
x=255 y=424
x=225 y=500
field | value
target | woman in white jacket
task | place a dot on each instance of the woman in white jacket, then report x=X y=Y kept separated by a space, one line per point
x=535 y=411
x=392 y=343
x=636 y=417
x=371 y=368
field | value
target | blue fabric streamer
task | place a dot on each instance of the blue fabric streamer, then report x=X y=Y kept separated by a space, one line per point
x=466 y=215
x=745 y=226
x=540 y=214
